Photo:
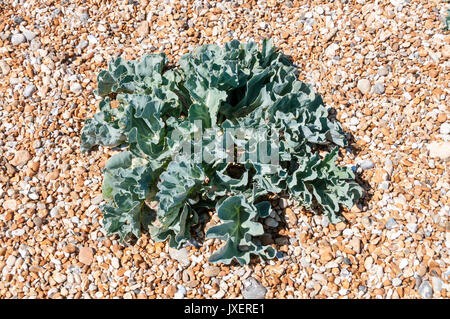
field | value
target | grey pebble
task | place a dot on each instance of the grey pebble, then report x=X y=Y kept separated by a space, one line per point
x=437 y=283
x=412 y=227
x=378 y=88
x=366 y=164
x=180 y=255
x=383 y=71
x=271 y=222
x=391 y=223
x=253 y=289
x=29 y=90
x=29 y=35
x=17 y=39
x=425 y=290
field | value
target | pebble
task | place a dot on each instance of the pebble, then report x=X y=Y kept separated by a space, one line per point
x=391 y=223
x=76 y=88
x=412 y=227
x=20 y=158
x=143 y=29
x=440 y=150
x=425 y=290
x=180 y=255
x=383 y=71
x=366 y=164
x=437 y=284
x=211 y=271
x=253 y=289
x=86 y=255
x=396 y=282
x=4 y=68
x=403 y=263
x=29 y=90
x=181 y=292
x=115 y=263
x=59 y=278
x=10 y=261
x=378 y=88
x=364 y=86
x=388 y=166
x=29 y=35
x=331 y=50
x=17 y=39
x=10 y=204
x=283 y=203
x=269 y=221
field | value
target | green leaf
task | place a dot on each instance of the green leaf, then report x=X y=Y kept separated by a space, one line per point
x=237 y=229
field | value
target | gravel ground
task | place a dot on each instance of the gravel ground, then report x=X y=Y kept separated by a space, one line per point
x=382 y=65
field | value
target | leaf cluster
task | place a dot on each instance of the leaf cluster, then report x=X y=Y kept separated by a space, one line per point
x=230 y=87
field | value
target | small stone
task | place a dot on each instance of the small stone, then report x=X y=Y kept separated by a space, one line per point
x=269 y=221
x=440 y=150
x=20 y=158
x=388 y=166
x=11 y=261
x=86 y=255
x=54 y=212
x=368 y=263
x=97 y=199
x=211 y=271
x=17 y=39
x=283 y=203
x=378 y=88
x=356 y=245
x=115 y=263
x=437 y=284
x=391 y=223
x=29 y=90
x=292 y=217
x=330 y=51
x=366 y=164
x=403 y=263
x=143 y=29
x=446 y=51
x=52 y=175
x=37 y=144
x=59 y=278
x=18 y=19
x=383 y=71
x=29 y=35
x=37 y=221
x=363 y=86
x=171 y=290
x=10 y=204
x=412 y=227
x=70 y=248
x=325 y=254
x=4 y=68
x=181 y=292
x=76 y=88
x=253 y=289
x=425 y=290
x=180 y=255
x=396 y=282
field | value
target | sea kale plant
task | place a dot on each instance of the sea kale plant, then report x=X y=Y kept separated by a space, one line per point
x=224 y=132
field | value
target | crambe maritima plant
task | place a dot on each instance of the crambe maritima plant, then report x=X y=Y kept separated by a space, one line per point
x=181 y=126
